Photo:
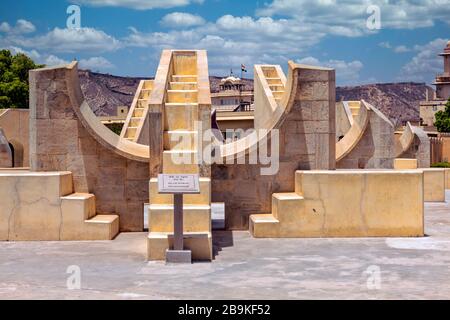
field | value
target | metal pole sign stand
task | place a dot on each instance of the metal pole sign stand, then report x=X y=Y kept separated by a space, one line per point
x=178 y=185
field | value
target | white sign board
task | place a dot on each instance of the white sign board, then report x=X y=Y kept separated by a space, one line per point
x=179 y=183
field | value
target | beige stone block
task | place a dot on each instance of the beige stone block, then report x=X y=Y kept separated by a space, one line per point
x=264 y=226
x=402 y=164
x=355 y=203
x=200 y=245
x=197 y=218
x=180 y=140
x=447 y=178
x=434 y=185
x=180 y=162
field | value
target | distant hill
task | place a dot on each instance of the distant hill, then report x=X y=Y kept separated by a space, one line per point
x=399 y=101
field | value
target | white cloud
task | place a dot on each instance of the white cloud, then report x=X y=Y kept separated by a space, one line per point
x=139 y=4
x=22 y=27
x=5 y=27
x=52 y=60
x=425 y=64
x=68 y=41
x=401 y=49
x=182 y=19
x=349 y=17
x=346 y=72
x=231 y=41
x=33 y=54
x=96 y=63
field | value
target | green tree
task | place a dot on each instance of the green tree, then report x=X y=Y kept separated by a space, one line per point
x=14 y=89
x=443 y=119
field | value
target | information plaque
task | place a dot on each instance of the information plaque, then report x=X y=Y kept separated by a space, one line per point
x=179 y=184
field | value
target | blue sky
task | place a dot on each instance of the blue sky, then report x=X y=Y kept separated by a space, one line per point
x=125 y=37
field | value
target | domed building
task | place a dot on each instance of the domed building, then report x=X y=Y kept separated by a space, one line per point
x=232 y=95
x=437 y=103
x=443 y=80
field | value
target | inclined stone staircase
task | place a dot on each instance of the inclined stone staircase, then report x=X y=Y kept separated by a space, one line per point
x=138 y=110
x=354 y=106
x=180 y=114
x=275 y=82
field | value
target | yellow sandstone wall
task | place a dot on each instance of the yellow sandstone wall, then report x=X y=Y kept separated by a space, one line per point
x=434 y=185
x=15 y=124
x=352 y=203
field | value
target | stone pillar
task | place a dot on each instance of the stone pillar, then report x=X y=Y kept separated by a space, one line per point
x=309 y=131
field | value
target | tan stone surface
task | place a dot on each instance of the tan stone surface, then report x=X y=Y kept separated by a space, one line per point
x=402 y=164
x=434 y=185
x=31 y=204
x=199 y=243
x=347 y=204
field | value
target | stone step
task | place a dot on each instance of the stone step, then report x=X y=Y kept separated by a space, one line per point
x=102 y=227
x=272 y=81
x=78 y=206
x=184 y=78
x=278 y=94
x=183 y=86
x=141 y=104
x=148 y=84
x=138 y=112
x=197 y=218
x=80 y=222
x=264 y=226
x=182 y=96
x=180 y=162
x=286 y=206
x=131 y=132
x=204 y=198
x=145 y=94
x=180 y=140
x=180 y=116
x=200 y=243
x=135 y=122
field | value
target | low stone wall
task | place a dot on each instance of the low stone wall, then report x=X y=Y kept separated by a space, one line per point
x=30 y=208
x=360 y=203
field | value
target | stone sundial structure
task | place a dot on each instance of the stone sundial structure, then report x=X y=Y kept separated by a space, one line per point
x=87 y=183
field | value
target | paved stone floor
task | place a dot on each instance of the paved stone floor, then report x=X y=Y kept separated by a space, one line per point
x=244 y=268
